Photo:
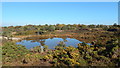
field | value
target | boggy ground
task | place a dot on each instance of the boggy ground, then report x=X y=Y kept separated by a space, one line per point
x=83 y=55
x=87 y=36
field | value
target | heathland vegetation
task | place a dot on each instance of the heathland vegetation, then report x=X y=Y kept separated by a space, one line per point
x=104 y=50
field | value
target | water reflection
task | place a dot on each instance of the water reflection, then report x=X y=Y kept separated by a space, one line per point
x=50 y=42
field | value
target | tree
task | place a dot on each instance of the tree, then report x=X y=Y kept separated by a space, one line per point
x=82 y=26
x=115 y=25
x=64 y=27
x=51 y=28
x=7 y=34
x=91 y=26
x=83 y=44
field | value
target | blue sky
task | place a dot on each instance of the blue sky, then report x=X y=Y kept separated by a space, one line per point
x=23 y=13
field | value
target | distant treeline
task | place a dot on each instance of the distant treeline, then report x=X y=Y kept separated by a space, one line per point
x=30 y=29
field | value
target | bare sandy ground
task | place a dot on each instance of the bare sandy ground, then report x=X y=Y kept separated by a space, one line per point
x=13 y=38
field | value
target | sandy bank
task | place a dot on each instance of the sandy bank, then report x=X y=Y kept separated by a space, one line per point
x=13 y=38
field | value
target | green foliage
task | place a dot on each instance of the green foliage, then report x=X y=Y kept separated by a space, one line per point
x=92 y=26
x=82 y=26
x=83 y=44
x=36 y=49
x=51 y=28
x=60 y=46
x=84 y=55
x=67 y=56
x=45 y=47
x=90 y=55
x=31 y=29
x=64 y=28
x=12 y=52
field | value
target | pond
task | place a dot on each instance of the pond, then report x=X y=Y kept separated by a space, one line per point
x=50 y=42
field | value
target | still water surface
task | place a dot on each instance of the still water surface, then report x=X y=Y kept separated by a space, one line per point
x=50 y=42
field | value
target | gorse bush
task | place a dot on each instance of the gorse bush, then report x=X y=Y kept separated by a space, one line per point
x=11 y=51
x=84 y=55
x=68 y=56
x=31 y=29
